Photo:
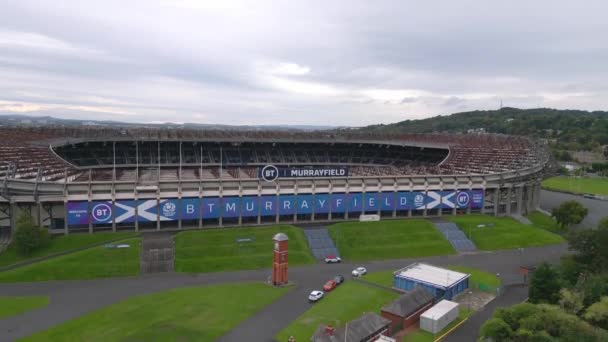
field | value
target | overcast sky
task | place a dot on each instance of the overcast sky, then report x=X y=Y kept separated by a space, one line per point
x=299 y=62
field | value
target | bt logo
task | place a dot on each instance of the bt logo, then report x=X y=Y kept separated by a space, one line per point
x=270 y=173
x=462 y=199
x=101 y=212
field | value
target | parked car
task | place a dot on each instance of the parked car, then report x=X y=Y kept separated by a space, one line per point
x=359 y=271
x=315 y=296
x=330 y=259
x=339 y=279
x=330 y=285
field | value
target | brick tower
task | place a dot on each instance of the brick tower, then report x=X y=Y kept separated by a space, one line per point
x=279 y=260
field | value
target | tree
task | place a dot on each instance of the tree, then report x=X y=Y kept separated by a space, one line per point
x=590 y=247
x=545 y=285
x=569 y=213
x=538 y=322
x=497 y=330
x=571 y=301
x=597 y=313
x=603 y=223
x=28 y=237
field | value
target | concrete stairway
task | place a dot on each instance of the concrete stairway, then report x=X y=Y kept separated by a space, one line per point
x=157 y=253
x=319 y=242
x=455 y=236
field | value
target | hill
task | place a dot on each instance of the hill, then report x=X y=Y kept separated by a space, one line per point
x=565 y=129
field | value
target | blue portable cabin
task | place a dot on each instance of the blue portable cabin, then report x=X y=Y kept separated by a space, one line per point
x=440 y=282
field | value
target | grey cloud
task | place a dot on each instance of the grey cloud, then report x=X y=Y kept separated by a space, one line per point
x=172 y=62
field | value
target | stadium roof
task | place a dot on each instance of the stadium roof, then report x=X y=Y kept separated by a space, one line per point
x=432 y=275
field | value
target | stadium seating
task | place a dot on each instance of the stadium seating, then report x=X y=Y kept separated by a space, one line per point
x=26 y=153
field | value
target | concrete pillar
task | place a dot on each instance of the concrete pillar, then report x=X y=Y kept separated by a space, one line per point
x=65 y=221
x=520 y=199
x=509 y=201
x=496 y=200
x=12 y=215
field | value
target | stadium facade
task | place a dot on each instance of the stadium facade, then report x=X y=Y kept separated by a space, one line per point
x=155 y=179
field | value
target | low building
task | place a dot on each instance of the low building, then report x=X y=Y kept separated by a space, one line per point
x=439 y=316
x=439 y=282
x=406 y=310
x=366 y=328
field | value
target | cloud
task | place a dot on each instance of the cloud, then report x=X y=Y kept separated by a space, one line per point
x=313 y=62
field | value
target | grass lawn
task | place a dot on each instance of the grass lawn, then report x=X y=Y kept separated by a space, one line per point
x=186 y=314
x=506 y=232
x=543 y=221
x=478 y=276
x=391 y=239
x=61 y=243
x=347 y=302
x=11 y=306
x=96 y=262
x=385 y=278
x=425 y=336
x=598 y=186
x=215 y=250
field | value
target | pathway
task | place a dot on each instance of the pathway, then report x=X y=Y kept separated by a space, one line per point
x=454 y=235
x=319 y=241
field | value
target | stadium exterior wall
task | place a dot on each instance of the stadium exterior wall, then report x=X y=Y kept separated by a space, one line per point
x=509 y=193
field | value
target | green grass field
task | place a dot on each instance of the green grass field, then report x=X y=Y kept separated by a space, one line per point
x=392 y=239
x=543 y=221
x=96 y=262
x=11 y=306
x=186 y=314
x=385 y=278
x=598 y=186
x=61 y=243
x=347 y=302
x=506 y=232
x=425 y=336
x=478 y=276
x=215 y=250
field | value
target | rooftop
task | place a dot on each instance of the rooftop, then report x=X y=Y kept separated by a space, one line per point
x=439 y=309
x=409 y=302
x=431 y=275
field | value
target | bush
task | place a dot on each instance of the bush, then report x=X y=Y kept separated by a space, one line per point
x=28 y=237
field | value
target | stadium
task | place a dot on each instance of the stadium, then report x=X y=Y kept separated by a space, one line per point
x=101 y=178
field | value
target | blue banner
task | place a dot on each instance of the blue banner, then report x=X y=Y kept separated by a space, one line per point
x=403 y=201
x=418 y=200
x=148 y=210
x=339 y=203
x=387 y=201
x=78 y=213
x=249 y=206
x=371 y=202
x=287 y=204
x=191 y=208
x=268 y=205
x=230 y=207
x=124 y=211
x=476 y=197
x=322 y=203
x=305 y=204
x=355 y=202
x=211 y=207
x=101 y=212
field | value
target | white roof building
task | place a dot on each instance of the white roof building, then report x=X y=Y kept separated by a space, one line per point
x=432 y=275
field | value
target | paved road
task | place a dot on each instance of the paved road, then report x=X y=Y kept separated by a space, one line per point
x=597 y=209
x=70 y=299
x=469 y=330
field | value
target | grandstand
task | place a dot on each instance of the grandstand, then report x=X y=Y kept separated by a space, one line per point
x=61 y=174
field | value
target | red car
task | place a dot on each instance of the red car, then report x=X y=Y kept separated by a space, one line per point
x=330 y=285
